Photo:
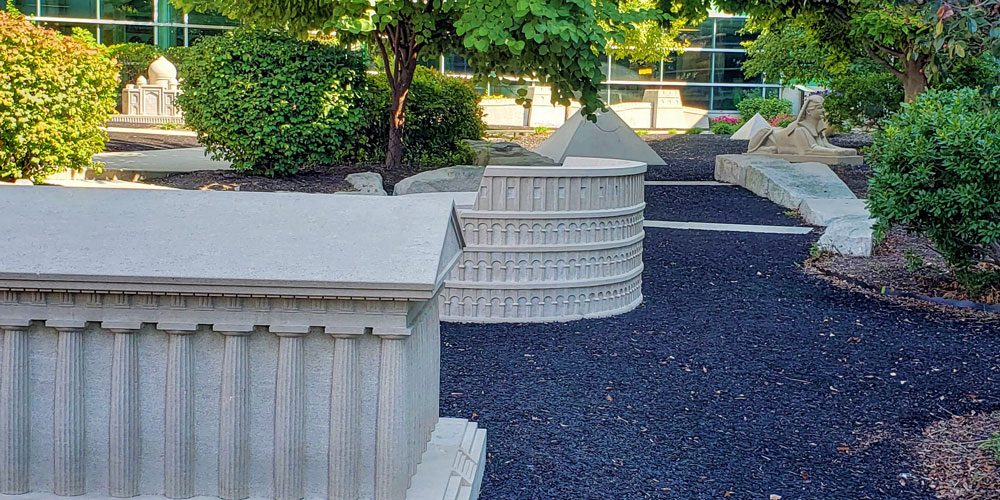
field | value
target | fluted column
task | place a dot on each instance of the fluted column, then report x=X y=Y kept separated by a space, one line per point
x=123 y=418
x=14 y=407
x=345 y=414
x=178 y=418
x=234 y=413
x=68 y=432
x=289 y=409
x=392 y=451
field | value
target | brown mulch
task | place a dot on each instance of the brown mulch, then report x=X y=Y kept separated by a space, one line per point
x=888 y=267
x=325 y=179
x=123 y=141
x=951 y=462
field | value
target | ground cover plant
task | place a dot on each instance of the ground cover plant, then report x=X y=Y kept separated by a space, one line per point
x=55 y=91
x=726 y=125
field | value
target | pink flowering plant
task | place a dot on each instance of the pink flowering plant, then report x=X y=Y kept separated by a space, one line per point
x=725 y=125
x=781 y=120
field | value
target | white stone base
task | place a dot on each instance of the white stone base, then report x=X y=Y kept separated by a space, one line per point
x=452 y=467
x=827 y=159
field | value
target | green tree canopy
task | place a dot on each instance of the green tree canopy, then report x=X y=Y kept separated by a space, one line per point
x=916 y=41
x=556 y=42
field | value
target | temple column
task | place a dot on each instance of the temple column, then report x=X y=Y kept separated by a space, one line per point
x=345 y=414
x=234 y=413
x=124 y=452
x=289 y=409
x=15 y=420
x=392 y=452
x=178 y=418
x=68 y=432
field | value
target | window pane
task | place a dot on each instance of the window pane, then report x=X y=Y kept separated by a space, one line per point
x=696 y=97
x=728 y=68
x=168 y=36
x=726 y=33
x=70 y=8
x=25 y=6
x=210 y=19
x=168 y=13
x=67 y=28
x=127 y=10
x=689 y=67
x=626 y=69
x=121 y=33
x=724 y=98
x=700 y=36
x=456 y=65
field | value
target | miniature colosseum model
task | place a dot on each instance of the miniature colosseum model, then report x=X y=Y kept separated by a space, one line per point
x=551 y=244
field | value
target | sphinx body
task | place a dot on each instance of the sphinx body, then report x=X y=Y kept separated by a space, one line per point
x=806 y=136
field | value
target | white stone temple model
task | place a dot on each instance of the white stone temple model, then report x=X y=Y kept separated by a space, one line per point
x=211 y=345
x=803 y=140
x=155 y=96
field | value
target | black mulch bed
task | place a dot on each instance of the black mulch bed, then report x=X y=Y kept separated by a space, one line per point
x=739 y=376
x=725 y=204
x=689 y=157
x=323 y=179
x=122 y=141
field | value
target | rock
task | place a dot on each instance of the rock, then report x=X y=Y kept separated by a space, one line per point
x=784 y=183
x=819 y=212
x=848 y=235
x=450 y=179
x=366 y=183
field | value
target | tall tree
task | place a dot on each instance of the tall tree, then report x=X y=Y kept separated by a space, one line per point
x=916 y=40
x=556 y=42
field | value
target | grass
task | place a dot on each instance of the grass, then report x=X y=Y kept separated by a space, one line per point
x=542 y=130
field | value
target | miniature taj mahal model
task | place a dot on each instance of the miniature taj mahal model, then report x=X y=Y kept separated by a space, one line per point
x=152 y=98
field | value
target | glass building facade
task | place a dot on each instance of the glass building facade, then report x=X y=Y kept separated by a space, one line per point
x=707 y=73
x=119 y=21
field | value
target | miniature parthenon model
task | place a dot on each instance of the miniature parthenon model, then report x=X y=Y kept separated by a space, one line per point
x=185 y=361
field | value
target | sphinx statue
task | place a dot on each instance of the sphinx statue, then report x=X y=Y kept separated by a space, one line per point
x=805 y=139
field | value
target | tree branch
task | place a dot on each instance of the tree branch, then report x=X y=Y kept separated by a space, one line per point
x=890 y=51
x=886 y=64
x=385 y=58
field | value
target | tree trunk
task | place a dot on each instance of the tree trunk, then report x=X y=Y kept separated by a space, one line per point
x=914 y=80
x=397 y=114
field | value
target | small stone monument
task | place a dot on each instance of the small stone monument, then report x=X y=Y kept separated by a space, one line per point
x=154 y=96
x=803 y=140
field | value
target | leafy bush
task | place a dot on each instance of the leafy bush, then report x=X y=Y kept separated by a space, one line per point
x=55 y=91
x=441 y=113
x=768 y=107
x=177 y=54
x=862 y=99
x=694 y=131
x=981 y=72
x=269 y=103
x=725 y=125
x=937 y=172
x=134 y=59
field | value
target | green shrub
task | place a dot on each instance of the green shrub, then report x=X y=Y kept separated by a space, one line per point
x=55 y=91
x=441 y=113
x=937 y=171
x=725 y=125
x=177 y=54
x=768 y=107
x=272 y=104
x=134 y=59
x=862 y=99
x=694 y=131
x=982 y=72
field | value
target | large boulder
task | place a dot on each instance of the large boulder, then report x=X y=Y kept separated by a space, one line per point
x=443 y=180
x=366 y=183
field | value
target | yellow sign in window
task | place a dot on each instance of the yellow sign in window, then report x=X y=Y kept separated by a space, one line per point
x=645 y=71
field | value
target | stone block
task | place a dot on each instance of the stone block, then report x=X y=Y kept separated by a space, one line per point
x=848 y=235
x=820 y=212
x=853 y=160
x=449 y=179
x=366 y=183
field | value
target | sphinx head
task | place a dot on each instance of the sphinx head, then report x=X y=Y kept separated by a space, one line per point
x=812 y=108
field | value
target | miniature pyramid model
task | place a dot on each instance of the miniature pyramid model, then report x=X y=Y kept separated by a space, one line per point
x=610 y=137
x=750 y=128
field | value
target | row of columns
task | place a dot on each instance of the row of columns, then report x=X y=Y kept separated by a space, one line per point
x=398 y=419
